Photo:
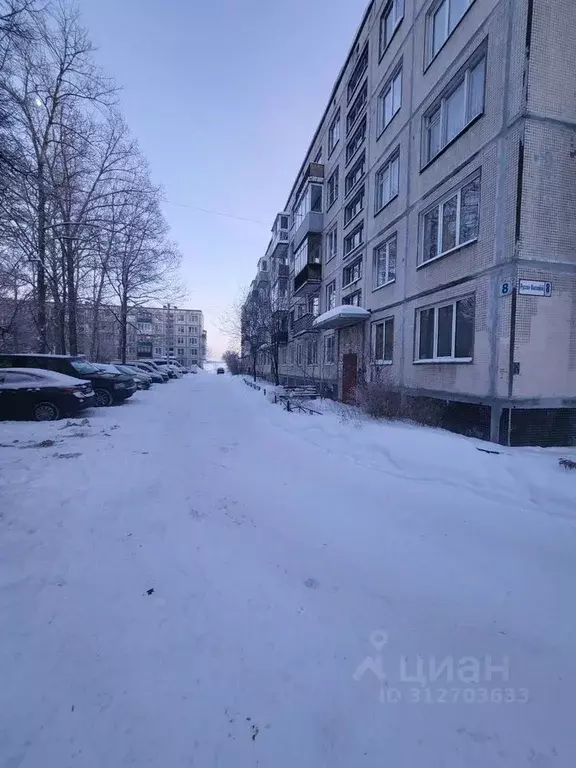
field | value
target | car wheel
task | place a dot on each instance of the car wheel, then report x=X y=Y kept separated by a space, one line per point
x=46 y=412
x=103 y=398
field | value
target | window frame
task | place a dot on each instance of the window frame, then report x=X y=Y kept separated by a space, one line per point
x=384 y=244
x=331 y=239
x=386 y=321
x=360 y=163
x=330 y=291
x=439 y=206
x=359 y=198
x=351 y=268
x=360 y=68
x=349 y=300
x=335 y=123
x=349 y=236
x=335 y=175
x=381 y=123
x=390 y=6
x=358 y=105
x=438 y=107
x=394 y=157
x=330 y=345
x=437 y=307
x=361 y=131
x=312 y=345
x=429 y=54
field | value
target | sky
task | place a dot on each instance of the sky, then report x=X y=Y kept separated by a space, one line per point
x=223 y=97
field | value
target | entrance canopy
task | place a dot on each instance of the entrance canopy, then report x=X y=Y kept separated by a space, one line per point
x=341 y=317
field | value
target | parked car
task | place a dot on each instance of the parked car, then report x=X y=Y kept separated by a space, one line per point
x=220 y=370
x=109 y=388
x=42 y=395
x=144 y=365
x=139 y=373
x=141 y=379
x=166 y=365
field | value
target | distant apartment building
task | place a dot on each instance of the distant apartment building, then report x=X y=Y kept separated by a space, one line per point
x=167 y=331
x=430 y=238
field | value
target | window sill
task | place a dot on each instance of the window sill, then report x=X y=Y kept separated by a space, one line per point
x=379 y=287
x=447 y=146
x=347 y=223
x=449 y=360
x=447 y=253
x=386 y=204
x=355 y=187
x=355 y=155
x=356 y=122
x=383 y=362
x=353 y=283
x=388 y=44
x=353 y=252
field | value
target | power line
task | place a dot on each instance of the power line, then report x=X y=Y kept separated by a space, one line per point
x=215 y=213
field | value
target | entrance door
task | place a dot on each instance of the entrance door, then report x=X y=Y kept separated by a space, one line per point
x=349 y=377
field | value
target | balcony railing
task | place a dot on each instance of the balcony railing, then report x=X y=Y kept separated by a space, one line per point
x=308 y=279
x=303 y=324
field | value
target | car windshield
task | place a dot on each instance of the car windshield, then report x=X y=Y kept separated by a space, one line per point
x=83 y=367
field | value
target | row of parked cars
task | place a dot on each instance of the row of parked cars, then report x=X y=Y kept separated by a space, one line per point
x=49 y=387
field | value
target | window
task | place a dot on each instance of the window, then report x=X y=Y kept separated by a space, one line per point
x=180 y=352
x=331 y=295
x=314 y=305
x=389 y=22
x=446 y=332
x=383 y=341
x=452 y=223
x=311 y=353
x=180 y=340
x=356 y=173
x=387 y=181
x=384 y=265
x=21 y=378
x=352 y=273
x=356 y=141
x=332 y=188
x=354 y=300
x=283 y=222
x=358 y=72
x=357 y=107
x=317 y=159
x=308 y=253
x=330 y=350
x=298 y=354
x=180 y=318
x=332 y=243
x=334 y=133
x=354 y=206
x=441 y=23
x=264 y=265
x=390 y=100
x=180 y=329
x=461 y=104
x=309 y=200
x=157 y=350
x=354 y=239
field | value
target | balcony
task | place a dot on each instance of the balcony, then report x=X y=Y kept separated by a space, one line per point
x=308 y=280
x=304 y=324
x=279 y=242
x=313 y=222
x=280 y=337
x=283 y=270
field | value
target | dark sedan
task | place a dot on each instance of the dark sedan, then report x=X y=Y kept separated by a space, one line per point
x=41 y=395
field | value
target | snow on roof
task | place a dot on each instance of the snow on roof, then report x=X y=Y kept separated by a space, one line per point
x=341 y=316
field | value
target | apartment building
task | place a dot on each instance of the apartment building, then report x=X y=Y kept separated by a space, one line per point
x=431 y=233
x=168 y=331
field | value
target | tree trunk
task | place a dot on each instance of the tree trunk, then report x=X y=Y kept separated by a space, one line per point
x=41 y=276
x=123 y=327
x=72 y=303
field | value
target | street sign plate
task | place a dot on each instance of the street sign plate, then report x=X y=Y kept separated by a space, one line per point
x=535 y=288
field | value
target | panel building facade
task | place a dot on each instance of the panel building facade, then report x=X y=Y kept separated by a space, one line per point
x=437 y=199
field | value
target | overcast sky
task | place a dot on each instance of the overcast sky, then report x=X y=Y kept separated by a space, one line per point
x=224 y=97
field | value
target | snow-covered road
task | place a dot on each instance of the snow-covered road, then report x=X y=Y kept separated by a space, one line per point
x=199 y=578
